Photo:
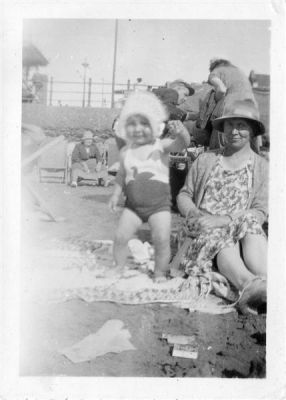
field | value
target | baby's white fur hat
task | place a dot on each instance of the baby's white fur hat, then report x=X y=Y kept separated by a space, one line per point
x=146 y=104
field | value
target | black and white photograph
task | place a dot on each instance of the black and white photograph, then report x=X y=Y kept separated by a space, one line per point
x=143 y=219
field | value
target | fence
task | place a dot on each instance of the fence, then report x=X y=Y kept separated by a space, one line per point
x=89 y=93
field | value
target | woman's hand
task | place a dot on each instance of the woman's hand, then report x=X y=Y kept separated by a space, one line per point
x=212 y=221
x=196 y=225
x=220 y=88
x=219 y=94
x=85 y=167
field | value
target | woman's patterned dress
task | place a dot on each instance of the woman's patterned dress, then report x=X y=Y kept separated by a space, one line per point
x=226 y=192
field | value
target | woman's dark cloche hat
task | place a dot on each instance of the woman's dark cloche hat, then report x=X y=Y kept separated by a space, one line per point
x=241 y=109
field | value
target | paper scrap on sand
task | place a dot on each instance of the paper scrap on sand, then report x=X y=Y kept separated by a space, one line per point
x=185 y=351
x=110 y=338
x=179 y=339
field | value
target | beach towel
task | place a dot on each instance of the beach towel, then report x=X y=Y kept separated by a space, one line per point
x=87 y=273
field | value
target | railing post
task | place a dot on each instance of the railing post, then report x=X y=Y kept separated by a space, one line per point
x=83 y=93
x=114 y=63
x=51 y=90
x=89 y=92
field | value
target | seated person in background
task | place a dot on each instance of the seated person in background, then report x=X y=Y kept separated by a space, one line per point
x=144 y=176
x=86 y=160
x=225 y=204
x=199 y=108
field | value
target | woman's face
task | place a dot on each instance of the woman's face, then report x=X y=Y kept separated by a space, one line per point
x=237 y=133
x=138 y=130
x=87 y=142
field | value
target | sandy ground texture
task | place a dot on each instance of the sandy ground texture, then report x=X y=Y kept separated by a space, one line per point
x=229 y=345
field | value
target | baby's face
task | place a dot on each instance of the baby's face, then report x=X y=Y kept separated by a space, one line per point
x=138 y=130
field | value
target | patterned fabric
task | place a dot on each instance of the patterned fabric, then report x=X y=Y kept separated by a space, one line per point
x=226 y=192
x=191 y=195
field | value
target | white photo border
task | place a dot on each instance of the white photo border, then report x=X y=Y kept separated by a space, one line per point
x=16 y=387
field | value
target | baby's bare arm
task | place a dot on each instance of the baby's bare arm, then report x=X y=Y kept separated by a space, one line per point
x=112 y=204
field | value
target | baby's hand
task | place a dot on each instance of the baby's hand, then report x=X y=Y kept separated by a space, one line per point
x=112 y=204
x=176 y=127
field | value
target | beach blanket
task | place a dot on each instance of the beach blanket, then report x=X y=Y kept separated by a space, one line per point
x=85 y=271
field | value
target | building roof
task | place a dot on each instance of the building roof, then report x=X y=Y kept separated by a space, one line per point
x=32 y=57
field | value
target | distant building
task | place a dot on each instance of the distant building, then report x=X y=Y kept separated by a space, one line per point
x=261 y=88
x=260 y=81
x=34 y=88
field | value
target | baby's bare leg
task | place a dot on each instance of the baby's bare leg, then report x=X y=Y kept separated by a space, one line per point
x=128 y=224
x=160 y=224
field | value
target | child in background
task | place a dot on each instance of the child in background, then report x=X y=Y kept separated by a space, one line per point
x=144 y=176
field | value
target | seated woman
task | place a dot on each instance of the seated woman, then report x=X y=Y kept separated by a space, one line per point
x=86 y=160
x=224 y=200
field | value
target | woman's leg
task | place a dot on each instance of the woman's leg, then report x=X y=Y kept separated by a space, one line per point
x=92 y=164
x=128 y=224
x=231 y=265
x=75 y=172
x=160 y=224
x=254 y=250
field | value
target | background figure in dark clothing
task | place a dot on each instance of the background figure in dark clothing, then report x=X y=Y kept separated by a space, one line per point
x=173 y=97
x=199 y=108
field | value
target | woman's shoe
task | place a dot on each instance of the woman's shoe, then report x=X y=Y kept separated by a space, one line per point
x=253 y=298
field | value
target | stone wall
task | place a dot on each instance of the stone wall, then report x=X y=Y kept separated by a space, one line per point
x=72 y=121
x=69 y=121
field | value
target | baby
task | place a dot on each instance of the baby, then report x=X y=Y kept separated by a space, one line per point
x=144 y=176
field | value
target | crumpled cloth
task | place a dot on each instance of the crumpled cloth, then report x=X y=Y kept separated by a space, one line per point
x=110 y=338
x=142 y=253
